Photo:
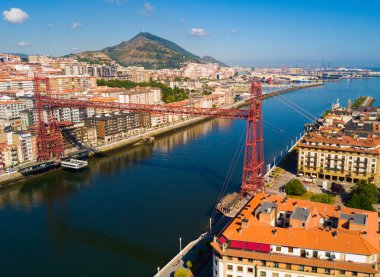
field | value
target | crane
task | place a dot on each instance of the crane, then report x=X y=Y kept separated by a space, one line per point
x=50 y=142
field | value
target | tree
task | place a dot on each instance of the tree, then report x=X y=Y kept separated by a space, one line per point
x=181 y=272
x=322 y=198
x=337 y=188
x=189 y=264
x=295 y=187
x=363 y=196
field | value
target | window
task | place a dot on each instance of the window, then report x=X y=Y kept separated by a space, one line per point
x=354 y=273
x=230 y=258
x=276 y=264
x=216 y=272
x=250 y=260
x=263 y=263
x=240 y=259
x=327 y=271
x=278 y=248
x=342 y=272
x=313 y=269
x=229 y=275
x=288 y=275
x=328 y=254
x=263 y=273
x=302 y=268
x=239 y=268
x=229 y=267
x=274 y=274
x=290 y=249
x=250 y=270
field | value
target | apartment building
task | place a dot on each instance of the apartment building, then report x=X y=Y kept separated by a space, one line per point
x=77 y=136
x=62 y=83
x=24 y=143
x=102 y=71
x=10 y=109
x=112 y=127
x=8 y=83
x=141 y=95
x=9 y=155
x=275 y=236
x=342 y=158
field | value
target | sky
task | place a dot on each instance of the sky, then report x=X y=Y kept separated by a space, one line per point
x=238 y=32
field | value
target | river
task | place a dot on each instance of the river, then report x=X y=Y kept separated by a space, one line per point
x=124 y=214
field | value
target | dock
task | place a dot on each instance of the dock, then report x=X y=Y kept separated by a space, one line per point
x=74 y=164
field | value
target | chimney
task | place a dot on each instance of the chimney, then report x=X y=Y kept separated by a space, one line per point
x=239 y=230
x=244 y=223
x=274 y=231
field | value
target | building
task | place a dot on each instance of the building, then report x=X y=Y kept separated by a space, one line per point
x=9 y=155
x=10 y=109
x=342 y=158
x=141 y=95
x=275 y=236
x=62 y=83
x=24 y=143
x=77 y=136
x=115 y=126
x=16 y=84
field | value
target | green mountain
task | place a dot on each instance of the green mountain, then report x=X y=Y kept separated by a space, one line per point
x=145 y=49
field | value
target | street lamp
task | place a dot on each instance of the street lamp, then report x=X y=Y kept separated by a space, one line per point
x=180 y=245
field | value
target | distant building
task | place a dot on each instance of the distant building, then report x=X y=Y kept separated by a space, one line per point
x=274 y=236
x=62 y=83
x=295 y=70
x=141 y=95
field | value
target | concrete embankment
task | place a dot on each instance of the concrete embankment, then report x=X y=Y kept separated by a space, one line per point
x=15 y=177
x=274 y=93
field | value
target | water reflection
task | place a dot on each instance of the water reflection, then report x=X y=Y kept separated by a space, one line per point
x=59 y=184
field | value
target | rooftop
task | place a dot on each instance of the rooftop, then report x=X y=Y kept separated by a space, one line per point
x=325 y=227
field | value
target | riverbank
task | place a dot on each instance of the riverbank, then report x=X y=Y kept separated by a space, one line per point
x=9 y=179
x=277 y=92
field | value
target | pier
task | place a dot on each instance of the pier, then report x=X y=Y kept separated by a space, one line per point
x=74 y=164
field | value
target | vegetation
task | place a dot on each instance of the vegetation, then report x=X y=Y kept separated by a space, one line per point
x=295 y=187
x=189 y=264
x=358 y=102
x=363 y=196
x=322 y=198
x=145 y=50
x=181 y=272
x=169 y=95
x=337 y=188
x=326 y=113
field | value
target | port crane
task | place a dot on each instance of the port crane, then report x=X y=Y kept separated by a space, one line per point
x=50 y=141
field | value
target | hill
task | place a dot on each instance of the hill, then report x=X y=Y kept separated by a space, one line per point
x=145 y=50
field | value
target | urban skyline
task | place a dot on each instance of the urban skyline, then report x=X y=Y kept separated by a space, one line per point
x=342 y=33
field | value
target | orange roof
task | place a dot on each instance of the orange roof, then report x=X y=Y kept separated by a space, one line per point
x=104 y=99
x=310 y=237
x=8 y=102
x=178 y=104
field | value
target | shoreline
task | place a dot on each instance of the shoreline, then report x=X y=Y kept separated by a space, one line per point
x=11 y=179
